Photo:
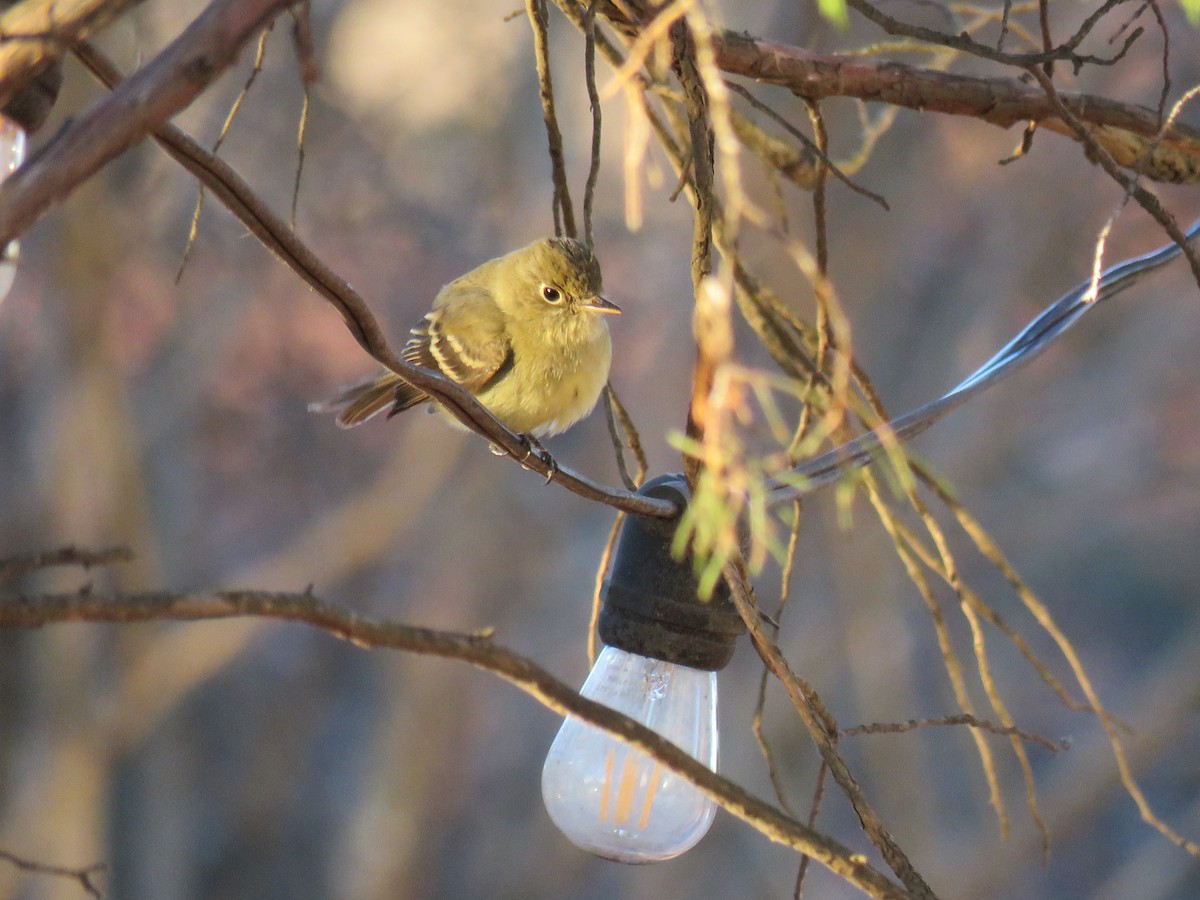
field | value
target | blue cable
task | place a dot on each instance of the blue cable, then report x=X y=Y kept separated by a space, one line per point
x=1035 y=337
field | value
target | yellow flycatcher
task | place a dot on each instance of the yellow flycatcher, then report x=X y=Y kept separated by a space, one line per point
x=523 y=333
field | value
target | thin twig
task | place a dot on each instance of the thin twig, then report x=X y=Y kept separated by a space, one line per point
x=907 y=551
x=606 y=556
x=310 y=73
x=1099 y=154
x=301 y=131
x=619 y=419
x=589 y=77
x=564 y=213
x=1065 y=51
x=85 y=875
x=809 y=145
x=756 y=721
x=14 y=567
x=614 y=435
x=814 y=809
x=1112 y=725
x=958 y=719
x=822 y=728
x=260 y=53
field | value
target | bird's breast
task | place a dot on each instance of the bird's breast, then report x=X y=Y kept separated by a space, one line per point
x=556 y=378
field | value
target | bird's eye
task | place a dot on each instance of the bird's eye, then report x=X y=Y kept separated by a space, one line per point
x=551 y=294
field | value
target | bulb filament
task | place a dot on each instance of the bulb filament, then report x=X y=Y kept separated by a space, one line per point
x=624 y=792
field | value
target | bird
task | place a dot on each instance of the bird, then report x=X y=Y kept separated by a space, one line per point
x=525 y=333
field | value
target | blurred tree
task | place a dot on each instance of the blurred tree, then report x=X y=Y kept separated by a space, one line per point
x=161 y=408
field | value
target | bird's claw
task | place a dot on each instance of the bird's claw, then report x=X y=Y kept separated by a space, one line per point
x=534 y=448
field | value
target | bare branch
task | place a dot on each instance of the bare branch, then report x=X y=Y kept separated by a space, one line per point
x=999 y=101
x=228 y=187
x=624 y=433
x=476 y=649
x=1098 y=153
x=701 y=143
x=35 y=33
x=799 y=166
x=159 y=90
x=310 y=73
x=589 y=78
x=15 y=566
x=967 y=44
x=564 y=212
x=260 y=55
x=957 y=719
x=85 y=875
x=822 y=728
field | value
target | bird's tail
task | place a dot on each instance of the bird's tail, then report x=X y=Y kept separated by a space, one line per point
x=360 y=401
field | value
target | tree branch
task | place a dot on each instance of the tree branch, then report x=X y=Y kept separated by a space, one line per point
x=967 y=44
x=159 y=90
x=822 y=729
x=1127 y=131
x=999 y=101
x=275 y=234
x=36 y=33
x=85 y=875
x=476 y=649
x=16 y=566
x=700 y=131
x=966 y=719
x=564 y=211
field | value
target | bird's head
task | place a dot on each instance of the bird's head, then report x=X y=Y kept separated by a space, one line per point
x=559 y=274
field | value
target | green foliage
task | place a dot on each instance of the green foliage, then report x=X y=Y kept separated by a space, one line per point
x=837 y=13
x=709 y=525
x=729 y=516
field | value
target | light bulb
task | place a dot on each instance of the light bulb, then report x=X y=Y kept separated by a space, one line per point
x=12 y=154
x=615 y=801
x=12 y=146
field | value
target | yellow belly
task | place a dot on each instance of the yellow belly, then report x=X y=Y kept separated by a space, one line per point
x=548 y=391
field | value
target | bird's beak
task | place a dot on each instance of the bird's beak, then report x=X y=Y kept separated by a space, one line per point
x=600 y=305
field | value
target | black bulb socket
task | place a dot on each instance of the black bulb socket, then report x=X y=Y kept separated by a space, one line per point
x=652 y=604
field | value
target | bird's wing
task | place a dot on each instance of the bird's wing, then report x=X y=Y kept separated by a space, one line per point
x=464 y=339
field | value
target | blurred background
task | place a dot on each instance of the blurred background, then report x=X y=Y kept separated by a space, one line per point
x=250 y=759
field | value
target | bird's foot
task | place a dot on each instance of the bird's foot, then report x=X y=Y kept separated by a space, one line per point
x=534 y=448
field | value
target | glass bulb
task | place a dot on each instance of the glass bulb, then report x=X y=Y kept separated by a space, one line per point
x=12 y=146
x=12 y=154
x=614 y=801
